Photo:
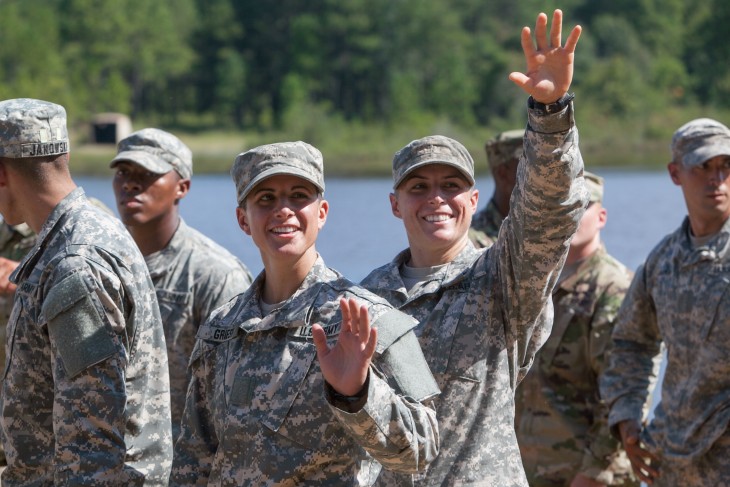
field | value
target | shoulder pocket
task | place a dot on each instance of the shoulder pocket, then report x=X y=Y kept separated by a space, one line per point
x=75 y=326
x=401 y=358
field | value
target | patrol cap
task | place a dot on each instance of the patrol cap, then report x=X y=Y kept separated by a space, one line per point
x=157 y=151
x=292 y=158
x=699 y=140
x=433 y=149
x=505 y=147
x=594 y=184
x=32 y=128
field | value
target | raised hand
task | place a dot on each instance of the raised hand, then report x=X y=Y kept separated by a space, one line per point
x=642 y=461
x=549 y=65
x=345 y=366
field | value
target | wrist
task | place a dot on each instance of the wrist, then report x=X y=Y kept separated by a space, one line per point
x=550 y=108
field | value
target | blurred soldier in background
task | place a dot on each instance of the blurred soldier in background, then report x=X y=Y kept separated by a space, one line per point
x=503 y=155
x=561 y=422
x=680 y=297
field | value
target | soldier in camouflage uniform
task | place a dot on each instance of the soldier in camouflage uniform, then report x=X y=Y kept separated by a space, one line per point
x=478 y=310
x=85 y=394
x=503 y=155
x=679 y=296
x=192 y=274
x=282 y=391
x=560 y=420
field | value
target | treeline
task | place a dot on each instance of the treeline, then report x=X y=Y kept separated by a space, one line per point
x=269 y=65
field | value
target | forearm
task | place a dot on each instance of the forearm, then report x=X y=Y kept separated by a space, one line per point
x=401 y=434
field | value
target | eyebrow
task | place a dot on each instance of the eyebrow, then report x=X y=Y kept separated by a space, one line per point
x=297 y=187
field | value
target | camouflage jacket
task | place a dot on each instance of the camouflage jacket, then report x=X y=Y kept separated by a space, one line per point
x=85 y=398
x=485 y=226
x=681 y=296
x=192 y=276
x=258 y=411
x=561 y=423
x=483 y=319
x=15 y=242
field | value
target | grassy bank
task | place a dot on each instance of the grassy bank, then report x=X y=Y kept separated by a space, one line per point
x=355 y=149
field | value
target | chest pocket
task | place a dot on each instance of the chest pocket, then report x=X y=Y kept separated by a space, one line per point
x=19 y=308
x=280 y=387
x=454 y=338
x=175 y=311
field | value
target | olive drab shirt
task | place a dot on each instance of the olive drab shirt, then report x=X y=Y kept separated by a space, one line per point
x=258 y=411
x=85 y=398
x=479 y=321
x=561 y=423
x=485 y=225
x=192 y=276
x=680 y=296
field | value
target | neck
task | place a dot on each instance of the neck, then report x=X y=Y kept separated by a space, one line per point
x=703 y=228
x=284 y=276
x=576 y=253
x=154 y=236
x=423 y=257
x=501 y=200
x=41 y=202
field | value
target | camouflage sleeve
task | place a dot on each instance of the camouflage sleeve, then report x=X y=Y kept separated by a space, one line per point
x=88 y=360
x=197 y=443
x=601 y=455
x=546 y=206
x=636 y=342
x=397 y=424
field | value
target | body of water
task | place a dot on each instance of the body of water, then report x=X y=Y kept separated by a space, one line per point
x=361 y=232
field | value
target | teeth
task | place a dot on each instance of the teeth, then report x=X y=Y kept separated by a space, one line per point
x=284 y=229
x=437 y=218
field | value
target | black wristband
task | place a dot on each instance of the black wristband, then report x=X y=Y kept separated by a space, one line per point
x=551 y=108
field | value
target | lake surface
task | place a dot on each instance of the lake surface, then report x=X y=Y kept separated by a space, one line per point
x=361 y=232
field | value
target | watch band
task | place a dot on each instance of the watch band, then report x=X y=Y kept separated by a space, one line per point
x=550 y=108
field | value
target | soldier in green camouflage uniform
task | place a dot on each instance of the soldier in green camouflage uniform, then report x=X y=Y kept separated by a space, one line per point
x=503 y=155
x=680 y=297
x=85 y=393
x=478 y=311
x=282 y=390
x=560 y=420
x=192 y=274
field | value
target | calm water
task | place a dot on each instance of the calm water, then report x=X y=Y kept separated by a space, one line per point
x=361 y=233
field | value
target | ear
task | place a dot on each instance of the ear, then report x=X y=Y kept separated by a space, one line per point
x=243 y=220
x=602 y=217
x=183 y=186
x=674 y=170
x=324 y=209
x=3 y=175
x=394 y=206
x=474 y=200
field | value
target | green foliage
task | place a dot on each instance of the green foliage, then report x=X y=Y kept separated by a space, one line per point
x=336 y=73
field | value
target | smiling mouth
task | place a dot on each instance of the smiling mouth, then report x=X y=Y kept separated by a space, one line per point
x=436 y=218
x=287 y=229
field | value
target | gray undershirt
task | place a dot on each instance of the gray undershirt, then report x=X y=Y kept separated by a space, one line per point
x=415 y=275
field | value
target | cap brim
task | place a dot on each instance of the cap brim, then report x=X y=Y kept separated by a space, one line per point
x=429 y=162
x=275 y=171
x=706 y=152
x=146 y=160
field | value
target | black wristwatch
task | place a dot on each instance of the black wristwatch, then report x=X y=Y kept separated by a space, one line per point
x=551 y=108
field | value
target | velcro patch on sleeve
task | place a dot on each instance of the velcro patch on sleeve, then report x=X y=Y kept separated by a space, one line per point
x=75 y=325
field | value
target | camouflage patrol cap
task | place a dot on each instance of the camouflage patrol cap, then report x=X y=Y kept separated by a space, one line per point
x=292 y=158
x=594 y=184
x=433 y=149
x=699 y=140
x=506 y=146
x=157 y=151
x=32 y=128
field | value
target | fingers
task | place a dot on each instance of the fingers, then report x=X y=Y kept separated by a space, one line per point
x=526 y=40
x=541 y=31
x=556 y=29
x=572 y=39
x=346 y=317
x=320 y=340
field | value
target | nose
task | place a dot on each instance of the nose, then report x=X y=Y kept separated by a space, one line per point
x=131 y=184
x=283 y=210
x=436 y=198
